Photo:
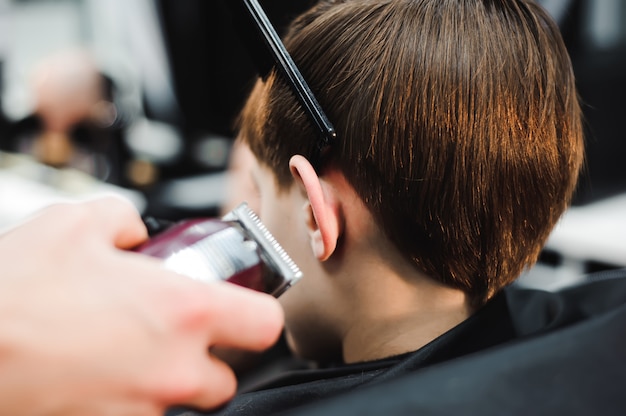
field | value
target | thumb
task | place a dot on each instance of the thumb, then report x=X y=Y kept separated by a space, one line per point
x=117 y=220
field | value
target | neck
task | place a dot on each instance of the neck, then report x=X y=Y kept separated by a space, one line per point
x=395 y=313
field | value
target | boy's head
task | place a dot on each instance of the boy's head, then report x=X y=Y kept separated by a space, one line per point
x=458 y=127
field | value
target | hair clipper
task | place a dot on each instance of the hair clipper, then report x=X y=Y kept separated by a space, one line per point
x=237 y=249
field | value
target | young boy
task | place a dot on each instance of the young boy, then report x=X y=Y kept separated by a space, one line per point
x=459 y=143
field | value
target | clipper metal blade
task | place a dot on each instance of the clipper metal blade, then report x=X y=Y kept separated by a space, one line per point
x=273 y=255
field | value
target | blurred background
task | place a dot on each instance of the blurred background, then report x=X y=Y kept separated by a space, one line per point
x=138 y=97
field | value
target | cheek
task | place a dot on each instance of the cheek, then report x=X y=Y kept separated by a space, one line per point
x=271 y=215
x=277 y=215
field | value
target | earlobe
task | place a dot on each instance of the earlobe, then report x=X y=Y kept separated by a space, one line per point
x=323 y=213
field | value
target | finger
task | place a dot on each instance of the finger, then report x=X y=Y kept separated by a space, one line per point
x=242 y=318
x=204 y=385
x=118 y=221
x=221 y=313
x=219 y=385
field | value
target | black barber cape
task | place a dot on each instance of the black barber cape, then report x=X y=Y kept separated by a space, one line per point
x=525 y=352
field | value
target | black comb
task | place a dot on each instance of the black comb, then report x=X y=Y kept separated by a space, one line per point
x=267 y=50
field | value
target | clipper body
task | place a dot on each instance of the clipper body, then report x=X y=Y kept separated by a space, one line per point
x=237 y=249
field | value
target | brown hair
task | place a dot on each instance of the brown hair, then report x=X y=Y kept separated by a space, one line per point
x=458 y=125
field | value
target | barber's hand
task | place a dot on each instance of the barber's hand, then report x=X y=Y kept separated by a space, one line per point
x=89 y=329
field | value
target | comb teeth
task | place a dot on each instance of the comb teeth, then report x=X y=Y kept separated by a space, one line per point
x=272 y=250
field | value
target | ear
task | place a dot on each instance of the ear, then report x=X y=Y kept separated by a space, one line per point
x=324 y=220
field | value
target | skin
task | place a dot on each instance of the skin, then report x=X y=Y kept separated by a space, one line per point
x=89 y=328
x=239 y=184
x=359 y=299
